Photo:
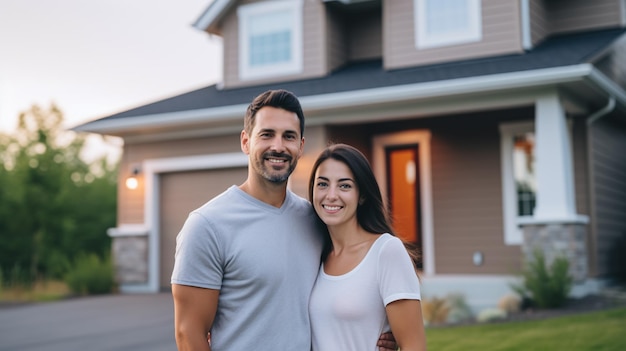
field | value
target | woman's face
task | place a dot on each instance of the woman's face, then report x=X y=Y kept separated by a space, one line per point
x=335 y=193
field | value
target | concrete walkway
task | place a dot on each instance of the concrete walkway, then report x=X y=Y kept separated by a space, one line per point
x=112 y=322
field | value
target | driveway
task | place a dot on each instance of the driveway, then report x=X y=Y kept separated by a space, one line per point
x=111 y=322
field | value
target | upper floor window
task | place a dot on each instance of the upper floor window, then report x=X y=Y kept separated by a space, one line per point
x=446 y=22
x=270 y=39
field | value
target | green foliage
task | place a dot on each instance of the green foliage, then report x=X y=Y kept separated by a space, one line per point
x=90 y=275
x=548 y=287
x=53 y=205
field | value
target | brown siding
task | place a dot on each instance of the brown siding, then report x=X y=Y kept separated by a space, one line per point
x=314 y=46
x=337 y=47
x=131 y=202
x=501 y=34
x=365 y=36
x=608 y=142
x=467 y=199
x=180 y=193
x=466 y=186
x=575 y=15
x=539 y=26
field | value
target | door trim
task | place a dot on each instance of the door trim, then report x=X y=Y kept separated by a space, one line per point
x=421 y=137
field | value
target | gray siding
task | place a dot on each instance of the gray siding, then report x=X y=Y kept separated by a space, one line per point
x=539 y=22
x=365 y=36
x=337 y=40
x=608 y=142
x=501 y=34
x=314 y=46
x=581 y=166
x=611 y=63
x=576 y=15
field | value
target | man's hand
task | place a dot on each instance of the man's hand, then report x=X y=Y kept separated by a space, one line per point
x=387 y=342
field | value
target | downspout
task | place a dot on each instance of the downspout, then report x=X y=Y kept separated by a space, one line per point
x=591 y=240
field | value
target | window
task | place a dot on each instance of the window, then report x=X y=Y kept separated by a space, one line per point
x=519 y=189
x=270 y=39
x=446 y=22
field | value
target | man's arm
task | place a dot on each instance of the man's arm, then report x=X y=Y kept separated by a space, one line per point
x=194 y=312
x=387 y=342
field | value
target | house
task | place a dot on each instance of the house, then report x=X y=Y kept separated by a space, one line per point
x=494 y=127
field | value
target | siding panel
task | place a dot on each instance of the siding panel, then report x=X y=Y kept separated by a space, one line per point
x=575 y=15
x=608 y=142
x=539 y=23
x=501 y=34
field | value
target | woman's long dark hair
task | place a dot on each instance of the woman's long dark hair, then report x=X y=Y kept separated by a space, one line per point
x=371 y=213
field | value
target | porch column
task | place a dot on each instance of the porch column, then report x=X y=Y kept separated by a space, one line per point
x=555 y=229
x=554 y=171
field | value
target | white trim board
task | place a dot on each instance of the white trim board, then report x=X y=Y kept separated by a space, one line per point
x=422 y=138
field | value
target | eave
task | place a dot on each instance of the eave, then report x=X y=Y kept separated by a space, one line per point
x=385 y=103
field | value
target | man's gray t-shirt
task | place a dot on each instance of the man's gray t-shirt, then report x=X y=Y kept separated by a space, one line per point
x=263 y=259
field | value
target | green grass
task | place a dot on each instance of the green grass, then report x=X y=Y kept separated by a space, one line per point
x=597 y=331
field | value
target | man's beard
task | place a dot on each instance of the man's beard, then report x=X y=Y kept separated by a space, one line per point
x=270 y=176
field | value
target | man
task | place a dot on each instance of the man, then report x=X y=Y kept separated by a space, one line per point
x=246 y=261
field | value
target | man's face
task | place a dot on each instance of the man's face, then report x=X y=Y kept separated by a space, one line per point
x=275 y=144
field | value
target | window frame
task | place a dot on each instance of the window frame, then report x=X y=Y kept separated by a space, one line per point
x=511 y=221
x=425 y=41
x=245 y=14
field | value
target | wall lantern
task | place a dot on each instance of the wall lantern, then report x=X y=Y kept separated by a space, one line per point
x=478 y=258
x=131 y=181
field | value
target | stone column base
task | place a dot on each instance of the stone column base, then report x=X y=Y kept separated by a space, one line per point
x=130 y=259
x=558 y=239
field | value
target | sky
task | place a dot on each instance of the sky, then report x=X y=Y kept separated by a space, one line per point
x=94 y=58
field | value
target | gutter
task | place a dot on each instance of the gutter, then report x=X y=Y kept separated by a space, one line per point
x=365 y=97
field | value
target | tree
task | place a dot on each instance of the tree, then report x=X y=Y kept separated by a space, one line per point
x=53 y=205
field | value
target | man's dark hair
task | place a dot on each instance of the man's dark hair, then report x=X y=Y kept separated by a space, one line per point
x=275 y=98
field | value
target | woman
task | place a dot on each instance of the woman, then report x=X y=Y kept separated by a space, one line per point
x=367 y=282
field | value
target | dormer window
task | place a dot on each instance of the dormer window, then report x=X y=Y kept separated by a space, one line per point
x=446 y=22
x=270 y=39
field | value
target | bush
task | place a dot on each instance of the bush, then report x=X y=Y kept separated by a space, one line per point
x=548 y=287
x=90 y=275
x=435 y=310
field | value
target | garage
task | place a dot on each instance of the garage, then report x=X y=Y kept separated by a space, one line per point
x=182 y=192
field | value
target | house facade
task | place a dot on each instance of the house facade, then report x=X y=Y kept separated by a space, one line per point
x=494 y=128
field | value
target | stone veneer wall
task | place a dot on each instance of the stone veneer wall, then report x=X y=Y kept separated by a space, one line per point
x=558 y=239
x=130 y=259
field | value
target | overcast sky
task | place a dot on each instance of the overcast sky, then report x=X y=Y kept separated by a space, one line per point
x=98 y=57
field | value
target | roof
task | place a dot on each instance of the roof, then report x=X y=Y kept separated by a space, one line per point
x=557 y=51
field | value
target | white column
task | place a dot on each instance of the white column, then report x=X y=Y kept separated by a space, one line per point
x=554 y=171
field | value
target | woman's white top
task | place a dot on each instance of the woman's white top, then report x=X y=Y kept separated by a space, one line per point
x=348 y=311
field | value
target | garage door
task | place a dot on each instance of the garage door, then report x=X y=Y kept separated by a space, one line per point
x=182 y=192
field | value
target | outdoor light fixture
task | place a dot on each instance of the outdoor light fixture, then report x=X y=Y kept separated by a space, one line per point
x=478 y=258
x=131 y=182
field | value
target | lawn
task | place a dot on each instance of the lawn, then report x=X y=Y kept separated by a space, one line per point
x=597 y=331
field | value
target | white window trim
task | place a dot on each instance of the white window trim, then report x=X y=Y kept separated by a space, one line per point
x=512 y=231
x=244 y=13
x=424 y=41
